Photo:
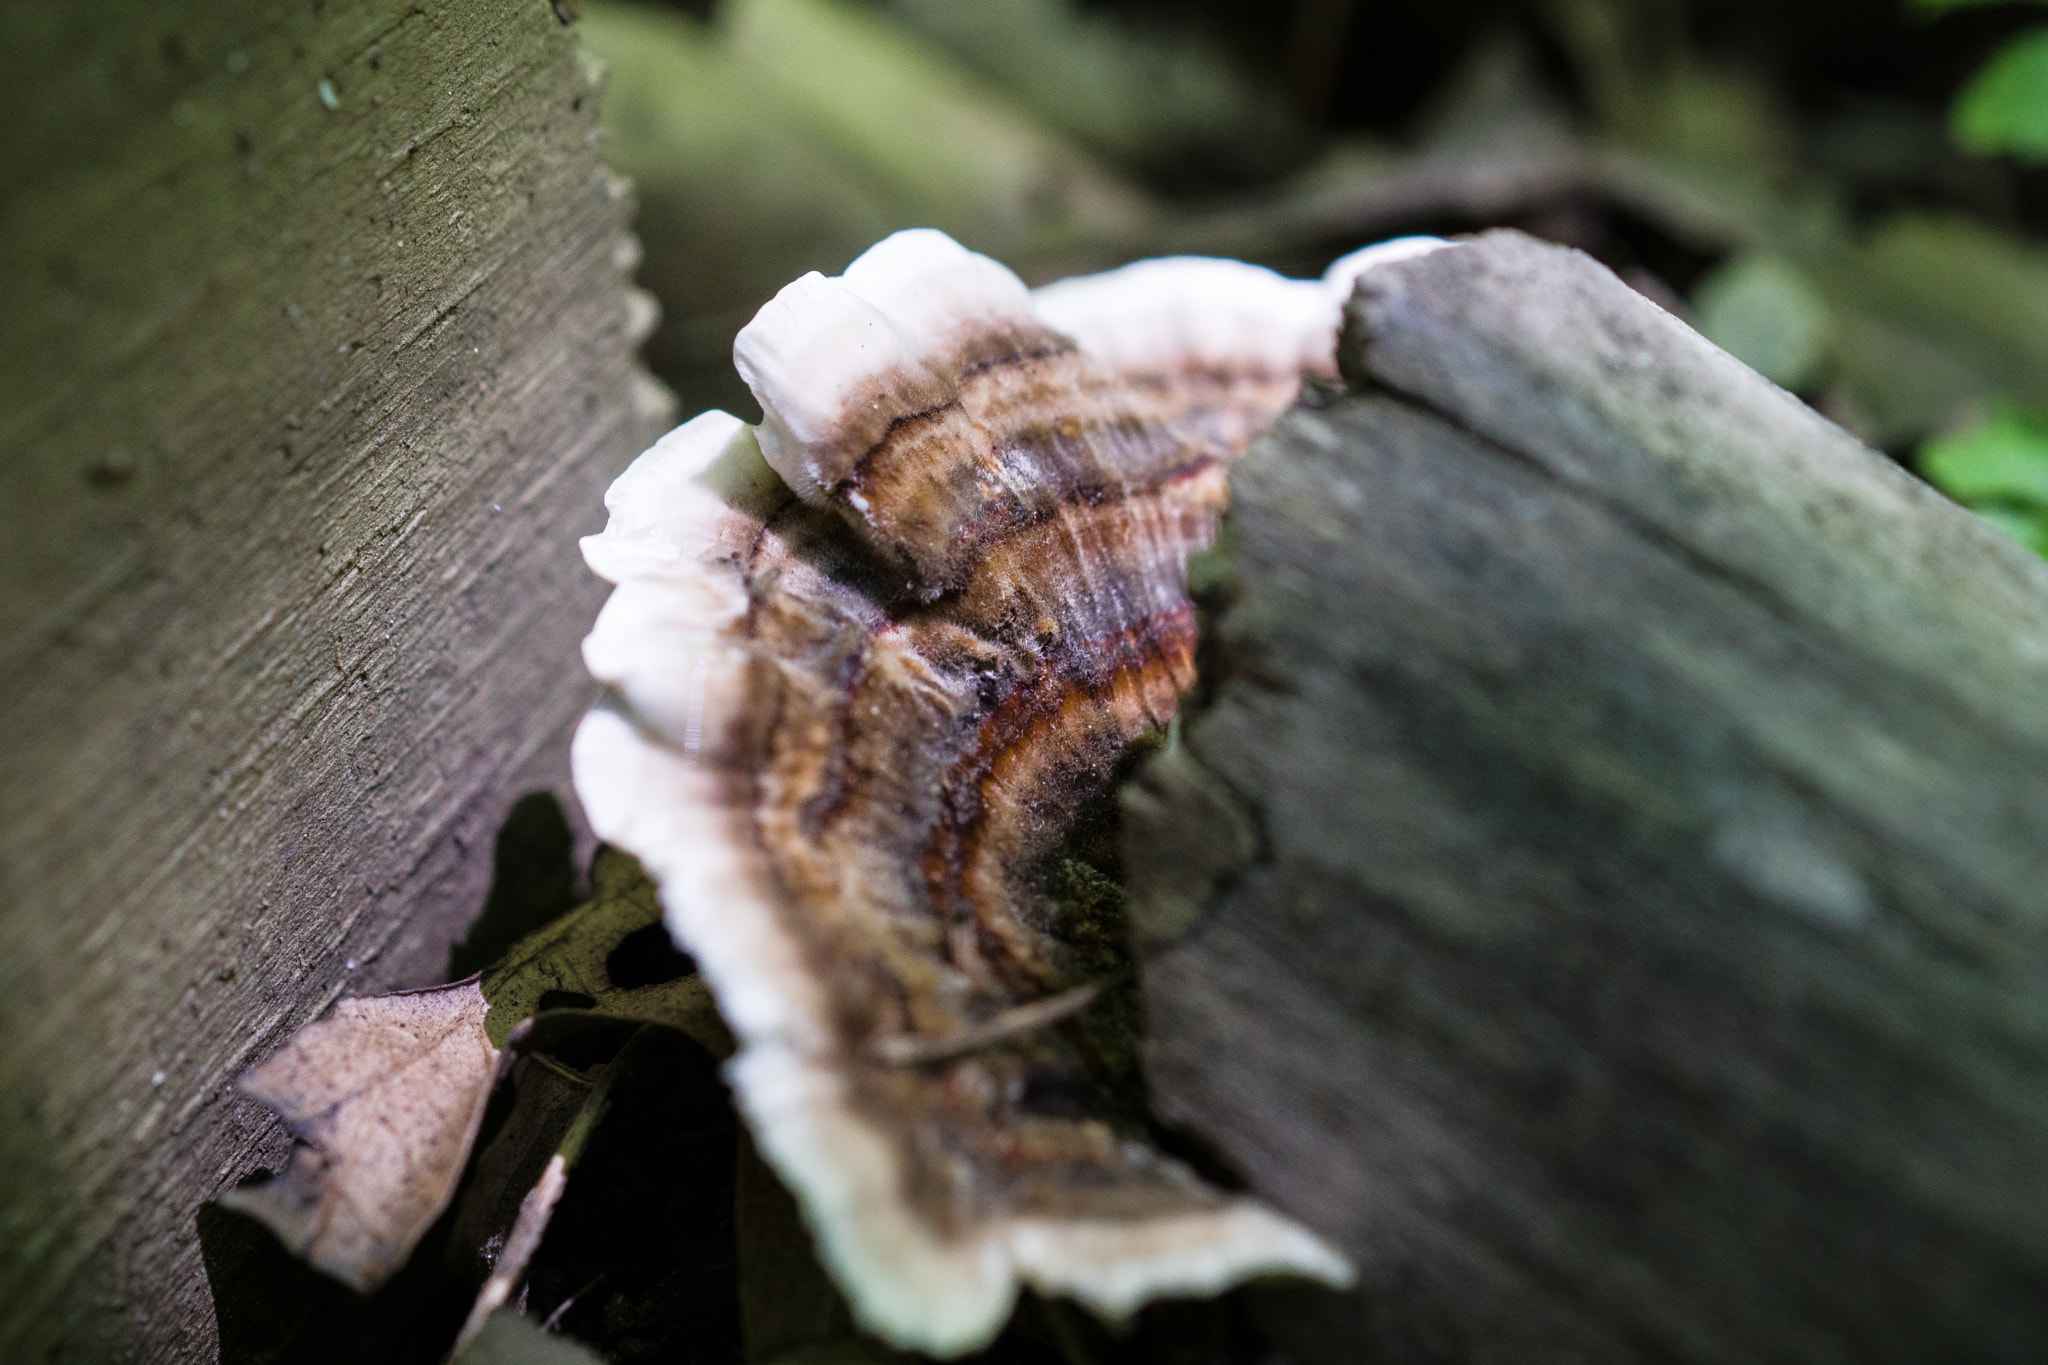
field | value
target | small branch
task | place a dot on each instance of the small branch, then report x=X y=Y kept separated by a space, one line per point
x=907 y=1049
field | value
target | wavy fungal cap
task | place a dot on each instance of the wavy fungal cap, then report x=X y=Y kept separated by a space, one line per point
x=864 y=664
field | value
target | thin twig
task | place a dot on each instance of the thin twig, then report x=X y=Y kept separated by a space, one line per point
x=909 y=1049
x=534 y=1212
x=566 y=1073
x=554 y=1317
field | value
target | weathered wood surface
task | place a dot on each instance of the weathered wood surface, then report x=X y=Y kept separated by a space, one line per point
x=1603 y=882
x=315 y=359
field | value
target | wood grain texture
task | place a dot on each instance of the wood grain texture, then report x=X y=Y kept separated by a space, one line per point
x=317 y=358
x=1601 y=886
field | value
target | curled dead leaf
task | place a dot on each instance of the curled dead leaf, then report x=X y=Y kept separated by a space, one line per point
x=384 y=1095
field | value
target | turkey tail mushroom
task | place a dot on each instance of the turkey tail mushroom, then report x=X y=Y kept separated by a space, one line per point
x=864 y=663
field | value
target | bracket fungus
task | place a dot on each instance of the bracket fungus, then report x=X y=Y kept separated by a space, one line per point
x=864 y=663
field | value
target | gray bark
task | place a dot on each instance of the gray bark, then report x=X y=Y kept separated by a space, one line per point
x=316 y=359
x=1602 y=882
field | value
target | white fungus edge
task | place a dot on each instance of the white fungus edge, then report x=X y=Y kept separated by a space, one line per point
x=1161 y=316
x=826 y=344
x=1174 y=313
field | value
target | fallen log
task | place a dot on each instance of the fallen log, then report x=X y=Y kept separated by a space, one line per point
x=1600 y=883
x=315 y=360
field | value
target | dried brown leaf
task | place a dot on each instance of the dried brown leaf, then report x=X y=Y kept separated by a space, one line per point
x=385 y=1095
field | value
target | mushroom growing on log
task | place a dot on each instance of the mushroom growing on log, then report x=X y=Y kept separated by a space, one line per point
x=1601 y=883
x=867 y=662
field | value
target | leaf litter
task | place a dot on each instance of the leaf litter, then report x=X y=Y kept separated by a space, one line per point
x=561 y=1116
x=386 y=1095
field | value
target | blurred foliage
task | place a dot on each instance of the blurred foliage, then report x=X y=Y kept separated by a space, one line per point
x=1761 y=310
x=788 y=135
x=2005 y=109
x=1999 y=468
x=1848 y=251
x=1166 y=102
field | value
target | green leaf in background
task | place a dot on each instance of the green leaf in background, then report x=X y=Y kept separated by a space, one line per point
x=1998 y=469
x=1938 y=5
x=1762 y=311
x=2026 y=527
x=2004 y=109
x=2003 y=459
